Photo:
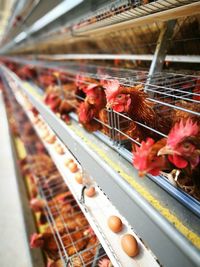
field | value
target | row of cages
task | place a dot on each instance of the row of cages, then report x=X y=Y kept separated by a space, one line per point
x=64 y=234
x=152 y=121
x=122 y=10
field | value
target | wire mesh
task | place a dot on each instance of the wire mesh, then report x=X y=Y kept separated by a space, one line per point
x=121 y=11
x=77 y=245
x=171 y=95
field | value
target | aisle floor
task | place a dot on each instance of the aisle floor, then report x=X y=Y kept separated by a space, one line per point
x=14 y=250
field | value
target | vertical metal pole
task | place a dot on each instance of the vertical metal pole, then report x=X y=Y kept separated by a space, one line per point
x=161 y=50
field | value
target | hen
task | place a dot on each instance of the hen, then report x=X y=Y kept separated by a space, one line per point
x=91 y=107
x=178 y=153
x=183 y=150
x=190 y=107
x=73 y=242
x=27 y=72
x=133 y=102
x=47 y=242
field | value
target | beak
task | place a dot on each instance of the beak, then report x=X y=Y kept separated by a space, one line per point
x=166 y=150
x=142 y=173
x=108 y=105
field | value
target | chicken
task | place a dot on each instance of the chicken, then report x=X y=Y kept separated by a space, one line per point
x=86 y=259
x=183 y=150
x=133 y=102
x=104 y=262
x=179 y=115
x=47 y=242
x=27 y=72
x=46 y=80
x=41 y=164
x=79 y=242
x=54 y=184
x=177 y=154
x=91 y=107
x=62 y=100
x=37 y=205
x=146 y=159
x=53 y=100
x=87 y=114
x=88 y=255
x=73 y=242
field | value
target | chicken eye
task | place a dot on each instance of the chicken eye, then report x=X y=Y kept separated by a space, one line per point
x=119 y=96
x=186 y=145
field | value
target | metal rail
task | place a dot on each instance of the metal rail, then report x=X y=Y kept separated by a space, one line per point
x=147 y=57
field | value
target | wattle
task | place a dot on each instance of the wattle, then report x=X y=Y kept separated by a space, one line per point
x=178 y=161
x=155 y=172
x=118 y=108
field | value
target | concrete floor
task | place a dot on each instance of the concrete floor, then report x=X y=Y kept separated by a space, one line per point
x=14 y=250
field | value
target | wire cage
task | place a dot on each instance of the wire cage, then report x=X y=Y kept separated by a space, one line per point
x=121 y=11
x=172 y=95
x=76 y=243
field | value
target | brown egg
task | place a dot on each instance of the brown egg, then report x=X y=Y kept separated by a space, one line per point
x=59 y=149
x=35 y=120
x=79 y=178
x=90 y=192
x=129 y=245
x=115 y=224
x=41 y=123
x=73 y=167
x=51 y=139
x=68 y=161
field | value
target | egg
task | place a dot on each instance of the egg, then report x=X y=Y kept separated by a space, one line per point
x=59 y=149
x=90 y=192
x=129 y=245
x=73 y=167
x=35 y=120
x=51 y=139
x=79 y=178
x=115 y=224
x=68 y=161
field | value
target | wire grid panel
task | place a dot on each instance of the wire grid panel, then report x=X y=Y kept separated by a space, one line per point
x=61 y=210
x=167 y=89
x=74 y=240
x=168 y=92
x=115 y=13
x=99 y=209
x=172 y=94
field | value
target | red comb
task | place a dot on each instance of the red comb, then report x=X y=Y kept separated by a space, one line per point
x=112 y=88
x=182 y=130
x=140 y=153
x=88 y=88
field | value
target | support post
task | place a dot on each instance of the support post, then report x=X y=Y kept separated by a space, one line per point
x=161 y=50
